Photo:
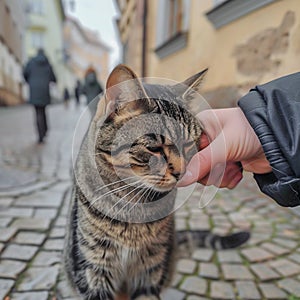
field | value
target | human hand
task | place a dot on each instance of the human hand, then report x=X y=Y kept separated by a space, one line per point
x=228 y=143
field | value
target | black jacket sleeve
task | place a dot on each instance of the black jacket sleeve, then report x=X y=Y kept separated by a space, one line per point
x=273 y=110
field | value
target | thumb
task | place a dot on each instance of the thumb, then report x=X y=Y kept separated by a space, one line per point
x=204 y=161
x=198 y=167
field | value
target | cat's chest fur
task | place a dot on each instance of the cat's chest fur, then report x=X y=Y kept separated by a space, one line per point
x=126 y=256
x=130 y=259
x=135 y=236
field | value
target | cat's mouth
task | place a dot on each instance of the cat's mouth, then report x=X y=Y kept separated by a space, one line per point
x=161 y=182
x=162 y=185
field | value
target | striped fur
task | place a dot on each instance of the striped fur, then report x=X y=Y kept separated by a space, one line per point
x=105 y=253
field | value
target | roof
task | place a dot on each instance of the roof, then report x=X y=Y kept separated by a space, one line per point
x=89 y=35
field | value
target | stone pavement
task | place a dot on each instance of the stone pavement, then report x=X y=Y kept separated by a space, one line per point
x=34 y=192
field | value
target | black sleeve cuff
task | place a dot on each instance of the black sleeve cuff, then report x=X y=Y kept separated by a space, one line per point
x=282 y=184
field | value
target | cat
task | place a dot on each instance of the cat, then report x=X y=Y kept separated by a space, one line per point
x=121 y=237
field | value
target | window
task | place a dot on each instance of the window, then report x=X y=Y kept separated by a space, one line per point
x=171 y=18
x=220 y=15
x=36 y=7
x=175 y=17
x=37 y=39
x=172 y=26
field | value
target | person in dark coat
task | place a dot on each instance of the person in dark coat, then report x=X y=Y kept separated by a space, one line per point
x=77 y=92
x=66 y=97
x=261 y=136
x=92 y=88
x=38 y=73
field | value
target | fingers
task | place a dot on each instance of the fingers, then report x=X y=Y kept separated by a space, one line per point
x=203 y=162
x=211 y=122
x=209 y=165
x=204 y=141
x=227 y=177
x=258 y=165
x=232 y=175
x=198 y=167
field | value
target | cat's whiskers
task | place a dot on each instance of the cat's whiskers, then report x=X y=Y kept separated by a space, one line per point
x=130 y=201
x=112 y=183
x=120 y=188
x=109 y=193
x=137 y=202
x=154 y=194
x=118 y=203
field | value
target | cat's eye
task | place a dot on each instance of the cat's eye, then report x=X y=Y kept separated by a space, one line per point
x=154 y=149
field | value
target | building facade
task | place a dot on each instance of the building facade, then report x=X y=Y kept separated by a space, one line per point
x=11 y=51
x=132 y=27
x=44 y=29
x=243 y=43
x=85 y=49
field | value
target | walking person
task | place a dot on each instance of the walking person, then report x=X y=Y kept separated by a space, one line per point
x=66 y=97
x=92 y=88
x=38 y=73
x=77 y=92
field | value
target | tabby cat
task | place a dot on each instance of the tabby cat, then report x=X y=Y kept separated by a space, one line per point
x=121 y=237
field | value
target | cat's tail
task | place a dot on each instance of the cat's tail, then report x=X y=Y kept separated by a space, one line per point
x=198 y=238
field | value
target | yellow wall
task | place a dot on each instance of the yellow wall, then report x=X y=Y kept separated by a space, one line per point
x=11 y=39
x=131 y=32
x=218 y=49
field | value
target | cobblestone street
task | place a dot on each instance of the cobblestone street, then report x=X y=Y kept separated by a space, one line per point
x=35 y=184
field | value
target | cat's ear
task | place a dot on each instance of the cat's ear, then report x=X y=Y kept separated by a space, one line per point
x=192 y=85
x=123 y=87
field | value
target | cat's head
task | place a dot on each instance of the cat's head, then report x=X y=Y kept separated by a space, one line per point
x=148 y=134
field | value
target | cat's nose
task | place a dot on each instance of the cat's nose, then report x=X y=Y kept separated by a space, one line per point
x=176 y=175
x=179 y=171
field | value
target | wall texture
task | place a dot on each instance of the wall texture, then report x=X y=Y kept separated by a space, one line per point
x=256 y=47
x=11 y=51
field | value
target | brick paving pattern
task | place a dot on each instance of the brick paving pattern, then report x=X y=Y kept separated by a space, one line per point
x=34 y=192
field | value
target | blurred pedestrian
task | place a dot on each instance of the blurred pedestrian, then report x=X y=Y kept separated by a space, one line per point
x=77 y=92
x=91 y=88
x=38 y=73
x=66 y=97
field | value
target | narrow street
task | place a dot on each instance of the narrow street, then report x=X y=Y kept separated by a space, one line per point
x=35 y=183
